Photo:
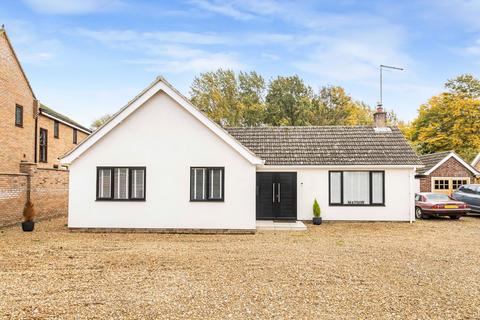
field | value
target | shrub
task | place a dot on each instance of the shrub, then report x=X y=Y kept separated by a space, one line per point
x=316 y=209
x=28 y=211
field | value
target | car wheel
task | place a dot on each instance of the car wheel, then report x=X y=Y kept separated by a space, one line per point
x=418 y=213
x=455 y=217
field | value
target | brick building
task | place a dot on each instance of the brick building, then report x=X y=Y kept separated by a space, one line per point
x=32 y=138
x=444 y=172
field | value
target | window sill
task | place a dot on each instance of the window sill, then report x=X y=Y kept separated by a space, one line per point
x=19 y=125
x=356 y=205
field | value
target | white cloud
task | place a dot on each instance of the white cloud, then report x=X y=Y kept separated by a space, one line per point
x=128 y=36
x=270 y=56
x=463 y=12
x=23 y=34
x=202 y=61
x=223 y=8
x=355 y=55
x=173 y=52
x=72 y=6
x=472 y=50
x=240 y=10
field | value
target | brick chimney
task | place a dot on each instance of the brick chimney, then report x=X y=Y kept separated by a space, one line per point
x=380 y=117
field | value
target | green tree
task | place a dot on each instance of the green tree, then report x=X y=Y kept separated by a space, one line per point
x=97 y=123
x=447 y=122
x=252 y=98
x=215 y=93
x=288 y=102
x=466 y=85
x=228 y=99
x=243 y=100
x=333 y=106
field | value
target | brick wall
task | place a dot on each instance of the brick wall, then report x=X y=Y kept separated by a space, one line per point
x=13 y=195
x=48 y=190
x=17 y=143
x=57 y=146
x=450 y=168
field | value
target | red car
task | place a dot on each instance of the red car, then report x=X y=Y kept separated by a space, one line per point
x=429 y=204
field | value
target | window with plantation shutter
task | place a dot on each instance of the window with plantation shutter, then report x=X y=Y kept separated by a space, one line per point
x=215 y=184
x=199 y=183
x=104 y=183
x=206 y=184
x=138 y=183
x=121 y=183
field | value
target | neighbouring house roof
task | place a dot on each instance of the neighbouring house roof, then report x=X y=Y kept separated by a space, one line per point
x=62 y=118
x=159 y=85
x=476 y=160
x=4 y=32
x=328 y=145
x=434 y=160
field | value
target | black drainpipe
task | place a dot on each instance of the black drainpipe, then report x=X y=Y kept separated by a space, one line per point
x=36 y=129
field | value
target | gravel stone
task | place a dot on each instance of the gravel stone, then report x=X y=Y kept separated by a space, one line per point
x=426 y=270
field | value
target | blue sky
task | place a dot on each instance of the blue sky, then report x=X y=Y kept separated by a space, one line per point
x=87 y=58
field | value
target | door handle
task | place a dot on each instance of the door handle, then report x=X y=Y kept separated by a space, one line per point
x=273 y=192
x=278 y=192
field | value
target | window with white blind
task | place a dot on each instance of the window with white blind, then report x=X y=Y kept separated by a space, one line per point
x=104 y=183
x=121 y=183
x=207 y=184
x=138 y=184
x=357 y=188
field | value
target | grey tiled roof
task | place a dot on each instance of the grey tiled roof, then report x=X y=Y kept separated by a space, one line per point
x=430 y=160
x=327 y=145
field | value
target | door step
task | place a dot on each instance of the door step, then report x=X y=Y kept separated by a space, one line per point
x=271 y=225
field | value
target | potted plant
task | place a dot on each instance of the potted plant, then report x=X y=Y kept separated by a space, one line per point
x=28 y=214
x=316 y=213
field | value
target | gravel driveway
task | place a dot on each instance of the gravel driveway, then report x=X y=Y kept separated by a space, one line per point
x=430 y=269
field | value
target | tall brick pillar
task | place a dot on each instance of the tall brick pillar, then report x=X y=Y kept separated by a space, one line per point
x=28 y=168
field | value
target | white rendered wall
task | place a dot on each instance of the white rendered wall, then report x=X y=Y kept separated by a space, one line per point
x=417 y=185
x=166 y=139
x=313 y=183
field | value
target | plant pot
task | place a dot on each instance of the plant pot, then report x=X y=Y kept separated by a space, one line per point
x=28 y=226
x=317 y=221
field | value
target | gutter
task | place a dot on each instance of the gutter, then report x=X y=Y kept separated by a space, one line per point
x=349 y=166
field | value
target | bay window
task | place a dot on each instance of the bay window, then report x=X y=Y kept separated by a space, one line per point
x=356 y=188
